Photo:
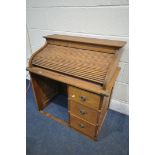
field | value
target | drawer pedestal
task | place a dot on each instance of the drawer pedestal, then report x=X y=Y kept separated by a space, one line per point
x=86 y=110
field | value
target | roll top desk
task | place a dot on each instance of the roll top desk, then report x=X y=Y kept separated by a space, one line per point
x=85 y=69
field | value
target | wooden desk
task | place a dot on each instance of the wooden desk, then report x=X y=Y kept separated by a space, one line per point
x=83 y=68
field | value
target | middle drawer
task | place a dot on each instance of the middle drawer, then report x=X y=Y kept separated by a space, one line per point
x=83 y=112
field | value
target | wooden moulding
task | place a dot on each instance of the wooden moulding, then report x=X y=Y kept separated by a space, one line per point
x=103 y=42
x=85 y=46
x=112 y=68
x=111 y=82
x=30 y=61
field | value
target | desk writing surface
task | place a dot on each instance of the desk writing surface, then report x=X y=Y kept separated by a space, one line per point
x=92 y=87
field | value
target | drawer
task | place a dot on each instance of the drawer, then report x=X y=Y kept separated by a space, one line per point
x=83 y=112
x=83 y=126
x=84 y=97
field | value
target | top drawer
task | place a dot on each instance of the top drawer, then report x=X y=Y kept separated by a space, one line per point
x=84 y=97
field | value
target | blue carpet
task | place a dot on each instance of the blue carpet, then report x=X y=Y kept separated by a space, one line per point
x=47 y=137
x=58 y=107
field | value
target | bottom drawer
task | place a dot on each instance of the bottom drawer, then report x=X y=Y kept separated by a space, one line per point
x=83 y=126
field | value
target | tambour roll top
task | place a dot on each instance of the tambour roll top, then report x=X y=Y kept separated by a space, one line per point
x=89 y=60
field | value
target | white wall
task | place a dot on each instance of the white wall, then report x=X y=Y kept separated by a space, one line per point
x=89 y=18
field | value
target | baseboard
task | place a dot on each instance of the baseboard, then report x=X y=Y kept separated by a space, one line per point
x=119 y=106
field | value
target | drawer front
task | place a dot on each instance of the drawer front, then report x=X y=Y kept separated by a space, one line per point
x=83 y=112
x=84 y=97
x=83 y=126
